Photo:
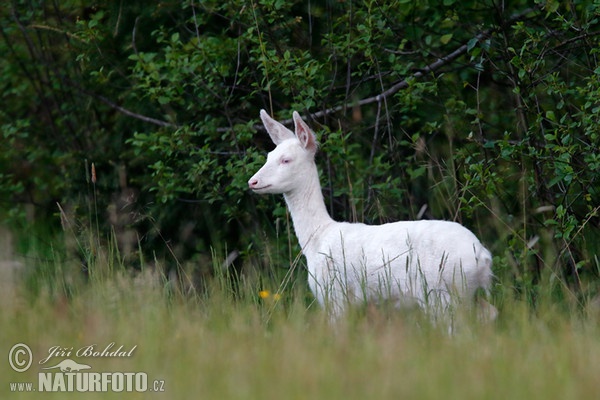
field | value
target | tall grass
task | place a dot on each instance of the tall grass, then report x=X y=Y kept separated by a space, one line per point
x=225 y=343
x=261 y=336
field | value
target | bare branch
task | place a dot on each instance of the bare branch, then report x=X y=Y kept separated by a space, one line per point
x=133 y=114
x=124 y=110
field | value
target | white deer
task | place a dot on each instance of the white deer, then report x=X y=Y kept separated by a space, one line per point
x=430 y=263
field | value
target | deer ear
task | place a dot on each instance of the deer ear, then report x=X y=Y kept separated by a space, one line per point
x=305 y=134
x=276 y=130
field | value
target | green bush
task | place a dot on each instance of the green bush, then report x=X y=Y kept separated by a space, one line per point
x=458 y=110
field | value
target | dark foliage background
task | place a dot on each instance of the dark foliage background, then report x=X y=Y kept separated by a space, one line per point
x=480 y=111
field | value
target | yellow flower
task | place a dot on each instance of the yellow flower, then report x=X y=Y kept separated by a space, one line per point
x=265 y=294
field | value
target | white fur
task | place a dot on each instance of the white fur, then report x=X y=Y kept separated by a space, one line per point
x=427 y=262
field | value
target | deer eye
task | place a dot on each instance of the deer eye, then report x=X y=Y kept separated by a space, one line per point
x=285 y=160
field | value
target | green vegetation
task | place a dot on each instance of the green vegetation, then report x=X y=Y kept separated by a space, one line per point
x=468 y=111
x=471 y=111
x=129 y=131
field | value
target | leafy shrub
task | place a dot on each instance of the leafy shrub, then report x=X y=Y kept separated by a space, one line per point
x=455 y=110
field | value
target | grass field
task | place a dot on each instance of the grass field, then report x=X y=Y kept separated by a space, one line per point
x=215 y=345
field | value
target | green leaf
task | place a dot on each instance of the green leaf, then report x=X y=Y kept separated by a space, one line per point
x=446 y=38
x=471 y=44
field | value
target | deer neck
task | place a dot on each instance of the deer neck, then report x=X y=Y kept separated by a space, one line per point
x=308 y=210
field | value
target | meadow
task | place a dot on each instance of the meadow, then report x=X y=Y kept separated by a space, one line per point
x=252 y=343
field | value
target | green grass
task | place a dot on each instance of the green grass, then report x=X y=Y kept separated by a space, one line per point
x=216 y=345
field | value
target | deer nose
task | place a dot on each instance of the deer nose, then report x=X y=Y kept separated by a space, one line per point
x=252 y=183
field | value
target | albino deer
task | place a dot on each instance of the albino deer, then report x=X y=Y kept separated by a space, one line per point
x=430 y=263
